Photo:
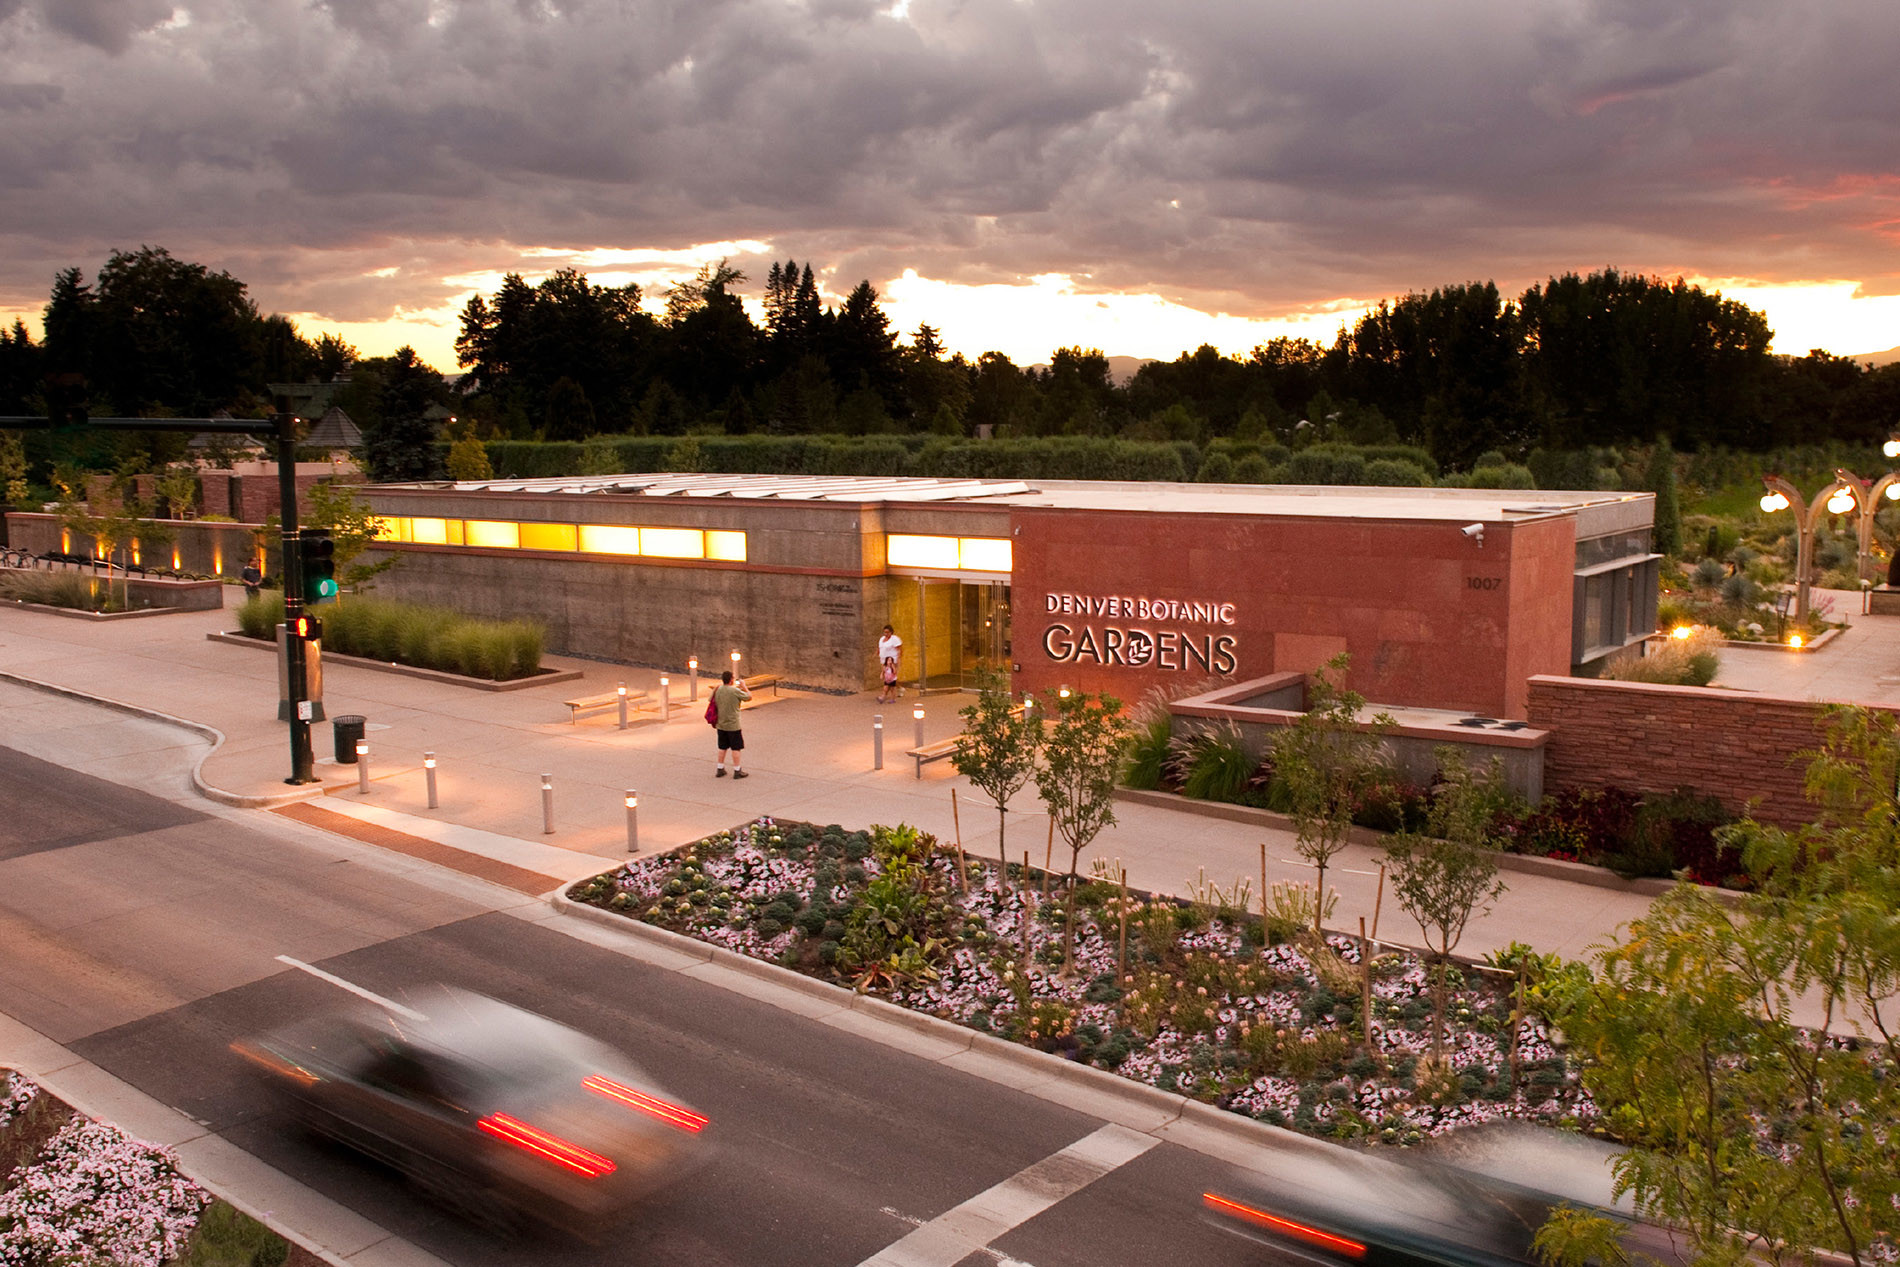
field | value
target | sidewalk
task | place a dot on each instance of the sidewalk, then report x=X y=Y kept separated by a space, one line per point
x=809 y=755
x=1862 y=665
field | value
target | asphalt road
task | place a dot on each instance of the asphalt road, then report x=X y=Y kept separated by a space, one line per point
x=140 y=931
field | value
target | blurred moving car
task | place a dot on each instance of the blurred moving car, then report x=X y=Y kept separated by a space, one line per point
x=499 y=1112
x=1477 y=1198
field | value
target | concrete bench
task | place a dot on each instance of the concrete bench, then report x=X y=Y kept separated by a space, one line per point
x=935 y=752
x=597 y=703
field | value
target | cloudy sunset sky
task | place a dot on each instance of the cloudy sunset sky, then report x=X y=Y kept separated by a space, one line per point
x=1135 y=175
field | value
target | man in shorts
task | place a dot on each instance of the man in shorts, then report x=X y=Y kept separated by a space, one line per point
x=890 y=649
x=726 y=698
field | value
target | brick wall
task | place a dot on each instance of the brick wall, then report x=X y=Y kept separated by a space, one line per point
x=1736 y=746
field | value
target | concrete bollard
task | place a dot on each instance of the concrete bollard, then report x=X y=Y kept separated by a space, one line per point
x=428 y=773
x=917 y=714
x=362 y=766
x=622 y=702
x=547 y=804
x=666 y=698
x=877 y=741
x=692 y=680
x=633 y=821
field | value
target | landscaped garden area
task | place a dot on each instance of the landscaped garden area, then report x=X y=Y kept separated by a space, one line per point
x=412 y=634
x=1196 y=997
x=77 y=1191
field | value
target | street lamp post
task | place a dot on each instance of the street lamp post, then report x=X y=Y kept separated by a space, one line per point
x=1782 y=495
x=1867 y=496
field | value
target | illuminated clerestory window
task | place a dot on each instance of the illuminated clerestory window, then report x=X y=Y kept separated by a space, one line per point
x=948 y=554
x=610 y=539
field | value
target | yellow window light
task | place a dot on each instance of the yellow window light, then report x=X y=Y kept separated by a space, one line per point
x=429 y=532
x=385 y=528
x=905 y=551
x=536 y=536
x=984 y=554
x=492 y=534
x=728 y=547
x=609 y=539
x=673 y=543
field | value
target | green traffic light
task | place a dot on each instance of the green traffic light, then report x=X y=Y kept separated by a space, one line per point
x=326 y=587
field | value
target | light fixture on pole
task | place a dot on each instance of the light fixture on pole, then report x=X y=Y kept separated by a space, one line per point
x=877 y=741
x=1782 y=495
x=428 y=774
x=692 y=678
x=917 y=715
x=633 y=821
x=666 y=697
x=1867 y=495
x=621 y=702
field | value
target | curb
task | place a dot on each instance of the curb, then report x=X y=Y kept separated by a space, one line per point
x=1174 y=1108
x=212 y=733
x=409 y=670
x=75 y=613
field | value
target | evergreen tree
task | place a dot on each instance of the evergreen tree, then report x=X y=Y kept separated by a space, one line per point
x=1659 y=477
x=401 y=444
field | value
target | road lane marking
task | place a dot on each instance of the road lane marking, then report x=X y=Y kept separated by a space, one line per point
x=969 y=1228
x=1002 y=1259
x=407 y=1013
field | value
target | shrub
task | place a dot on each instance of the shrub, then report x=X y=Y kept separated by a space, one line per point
x=1580 y=824
x=58 y=589
x=260 y=616
x=1148 y=752
x=1687 y=661
x=1218 y=766
x=1677 y=833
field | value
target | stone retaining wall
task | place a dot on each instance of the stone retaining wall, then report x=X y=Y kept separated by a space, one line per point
x=1737 y=746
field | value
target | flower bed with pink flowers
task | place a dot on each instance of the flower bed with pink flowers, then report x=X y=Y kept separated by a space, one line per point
x=1199 y=998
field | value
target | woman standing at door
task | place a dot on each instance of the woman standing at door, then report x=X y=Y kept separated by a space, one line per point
x=890 y=649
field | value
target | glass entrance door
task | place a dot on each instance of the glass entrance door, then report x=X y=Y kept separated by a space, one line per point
x=958 y=628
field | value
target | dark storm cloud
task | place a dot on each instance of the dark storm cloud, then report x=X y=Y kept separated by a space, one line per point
x=1243 y=155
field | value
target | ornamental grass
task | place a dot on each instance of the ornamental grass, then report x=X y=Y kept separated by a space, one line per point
x=413 y=634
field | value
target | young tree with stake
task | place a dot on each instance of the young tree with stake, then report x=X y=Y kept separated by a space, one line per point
x=998 y=755
x=1327 y=760
x=1081 y=758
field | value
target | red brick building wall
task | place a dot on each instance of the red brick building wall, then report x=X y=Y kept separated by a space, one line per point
x=1430 y=617
x=1738 y=747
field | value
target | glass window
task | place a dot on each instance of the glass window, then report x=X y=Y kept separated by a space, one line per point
x=429 y=531
x=549 y=537
x=727 y=546
x=673 y=543
x=493 y=534
x=984 y=554
x=609 y=539
x=905 y=551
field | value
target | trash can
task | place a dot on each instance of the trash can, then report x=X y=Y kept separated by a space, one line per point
x=349 y=728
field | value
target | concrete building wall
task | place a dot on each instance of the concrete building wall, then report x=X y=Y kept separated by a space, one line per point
x=1740 y=748
x=1425 y=612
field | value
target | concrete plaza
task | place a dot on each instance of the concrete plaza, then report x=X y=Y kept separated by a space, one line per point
x=810 y=757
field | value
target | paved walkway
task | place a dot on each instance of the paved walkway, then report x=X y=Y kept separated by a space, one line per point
x=1862 y=665
x=810 y=756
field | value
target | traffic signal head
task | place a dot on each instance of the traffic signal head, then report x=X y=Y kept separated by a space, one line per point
x=319 y=564
x=308 y=628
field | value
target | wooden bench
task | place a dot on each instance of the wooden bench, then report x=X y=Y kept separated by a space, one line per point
x=935 y=752
x=596 y=703
x=759 y=681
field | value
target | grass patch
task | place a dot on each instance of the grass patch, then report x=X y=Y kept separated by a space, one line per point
x=58 y=589
x=227 y=1237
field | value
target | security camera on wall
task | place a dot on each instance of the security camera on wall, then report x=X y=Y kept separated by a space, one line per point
x=1475 y=532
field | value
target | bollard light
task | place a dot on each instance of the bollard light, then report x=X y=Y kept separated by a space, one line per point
x=735 y=666
x=547 y=804
x=428 y=773
x=877 y=741
x=1063 y=693
x=633 y=821
x=666 y=697
x=917 y=715
x=622 y=703
x=362 y=766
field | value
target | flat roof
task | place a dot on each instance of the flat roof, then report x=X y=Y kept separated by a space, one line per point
x=1319 y=500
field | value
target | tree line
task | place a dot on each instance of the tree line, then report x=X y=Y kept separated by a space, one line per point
x=1459 y=372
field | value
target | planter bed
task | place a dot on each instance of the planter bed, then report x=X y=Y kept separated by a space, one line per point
x=542 y=677
x=1199 y=1007
x=73 y=1189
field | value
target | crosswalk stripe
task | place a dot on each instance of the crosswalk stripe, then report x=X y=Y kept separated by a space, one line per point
x=961 y=1231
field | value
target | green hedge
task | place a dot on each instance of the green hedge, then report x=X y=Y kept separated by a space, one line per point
x=409 y=633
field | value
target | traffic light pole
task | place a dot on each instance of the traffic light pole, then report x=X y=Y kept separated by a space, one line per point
x=303 y=761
